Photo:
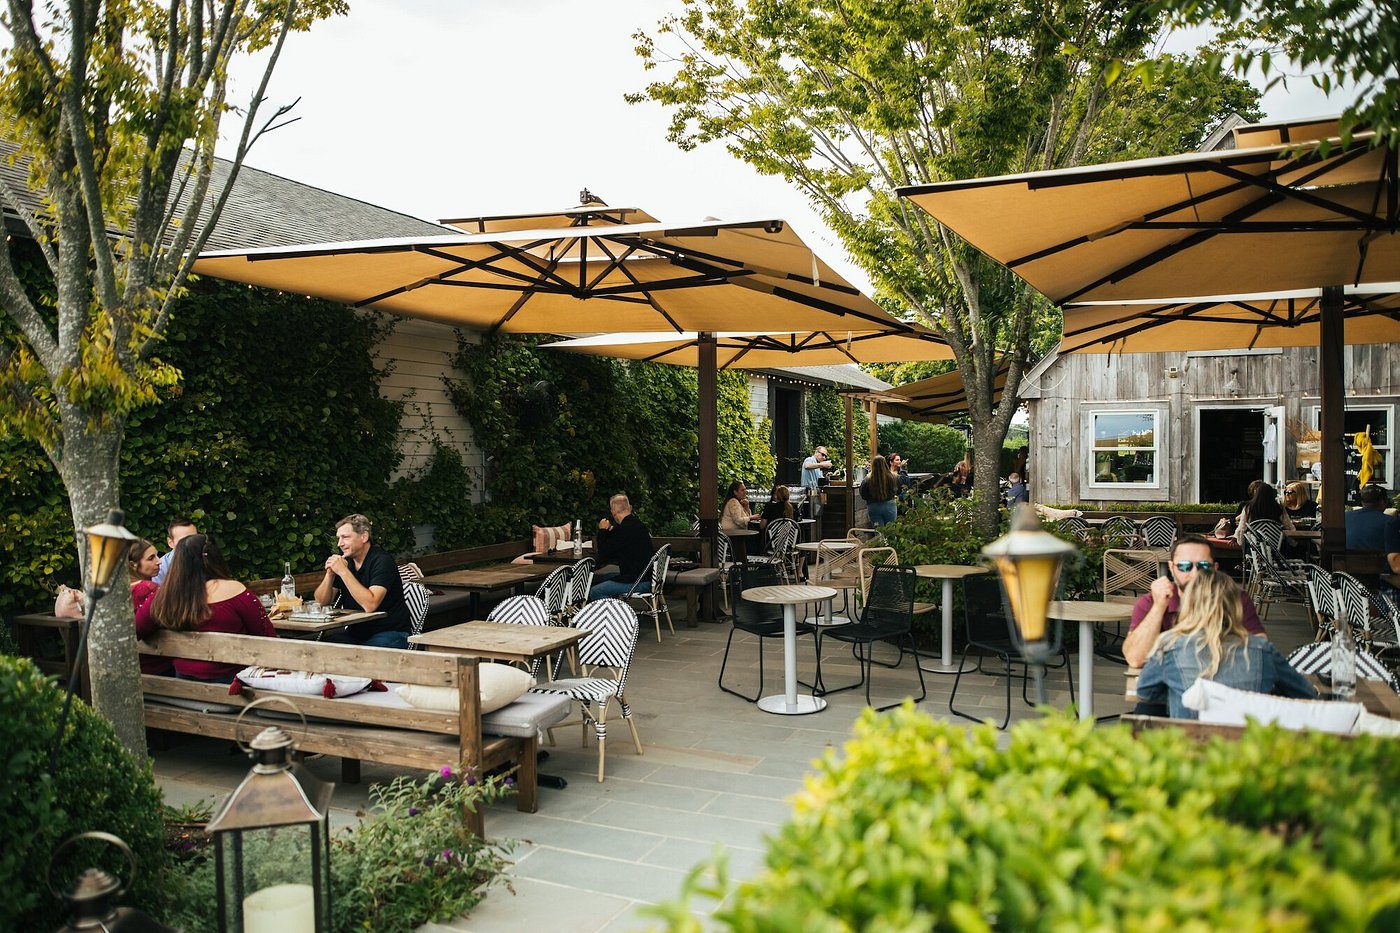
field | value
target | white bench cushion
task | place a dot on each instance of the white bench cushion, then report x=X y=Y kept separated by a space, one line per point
x=1222 y=705
x=527 y=716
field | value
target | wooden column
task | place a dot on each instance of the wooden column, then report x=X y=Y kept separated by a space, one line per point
x=1332 y=388
x=850 y=465
x=707 y=400
x=874 y=428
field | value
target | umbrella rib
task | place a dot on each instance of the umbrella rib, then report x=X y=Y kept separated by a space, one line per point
x=467 y=265
x=463 y=265
x=650 y=300
x=684 y=252
x=520 y=302
x=613 y=263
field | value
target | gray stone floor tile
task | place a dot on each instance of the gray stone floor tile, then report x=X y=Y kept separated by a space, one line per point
x=542 y=905
x=685 y=854
x=748 y=784
x=650 y=883
x=698 y=827
x=588 y=838
x=759 y=809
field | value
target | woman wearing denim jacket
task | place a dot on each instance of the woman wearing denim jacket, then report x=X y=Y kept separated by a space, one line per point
x=1209 y=640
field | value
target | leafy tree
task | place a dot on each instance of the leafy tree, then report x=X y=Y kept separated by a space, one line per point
x=1346 y=44
x=115 y=107
x=849 y=99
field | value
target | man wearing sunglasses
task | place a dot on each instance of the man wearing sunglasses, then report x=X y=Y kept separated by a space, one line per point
x=1156 y=611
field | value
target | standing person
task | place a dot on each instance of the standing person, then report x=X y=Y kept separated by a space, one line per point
x=1156 y=611
x=200 y=595
x=1210 y=640
x=961 y=478
x=178 y=529
x=142 y=563
x=1366 y=525
x=879 y=492
x=363 y=577
x=814 y=476
x=901 y=474
x=623 y=539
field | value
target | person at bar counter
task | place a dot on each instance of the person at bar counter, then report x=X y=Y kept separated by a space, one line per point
x=1157 y=611
x=814 y=476
x=1366 y=525
x=364 y=577
x=622 y=539
x=200 y=595
x=1210 y=640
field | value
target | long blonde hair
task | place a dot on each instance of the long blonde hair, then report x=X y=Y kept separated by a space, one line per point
x=1210 y=607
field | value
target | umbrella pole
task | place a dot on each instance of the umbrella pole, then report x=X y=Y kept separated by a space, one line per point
x=1333 y=422
x=707 y=402
x=874 y=429
x=850 y=466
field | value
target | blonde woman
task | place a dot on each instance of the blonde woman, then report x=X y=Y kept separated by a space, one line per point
x=1209 y=640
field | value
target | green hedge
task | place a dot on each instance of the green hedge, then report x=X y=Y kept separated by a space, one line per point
x=924 y=824
x=1230 y=508
x=98 y=785
x=928 y=448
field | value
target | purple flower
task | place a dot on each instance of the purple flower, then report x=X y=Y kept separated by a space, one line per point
x=412 y=811
x=510 y=782
x=427 y=860
x=447 y=854
x=471 y=781
x=446 y=771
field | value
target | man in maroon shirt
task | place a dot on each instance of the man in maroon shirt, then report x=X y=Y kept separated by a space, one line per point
x=1156 y=611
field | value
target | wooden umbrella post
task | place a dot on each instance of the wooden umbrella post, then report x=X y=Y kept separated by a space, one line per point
x=850 y=466
x=874 y=427
x=707 y=401
x=1332 y=385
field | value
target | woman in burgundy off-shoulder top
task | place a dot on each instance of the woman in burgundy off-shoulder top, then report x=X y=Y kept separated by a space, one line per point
x=198 y=595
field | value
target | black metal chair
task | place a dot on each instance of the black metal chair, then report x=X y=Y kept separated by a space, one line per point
x=887 y=615
x=988 y=630
x=762 y=620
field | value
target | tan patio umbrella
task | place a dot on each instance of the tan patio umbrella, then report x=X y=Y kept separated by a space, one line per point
x=1281 y=319
x=1260 y=219
x=586 y=277
x=764 y=351
x=590 y=211
x=937 y=399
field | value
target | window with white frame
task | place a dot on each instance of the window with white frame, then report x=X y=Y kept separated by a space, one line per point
x=1381 y=420
x=1125 y=448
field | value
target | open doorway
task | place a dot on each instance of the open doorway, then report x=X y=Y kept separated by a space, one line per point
x=787 y=434
x=1229 y=452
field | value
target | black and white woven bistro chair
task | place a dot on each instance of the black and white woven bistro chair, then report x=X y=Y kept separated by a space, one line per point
x=415 y=598
x=887 y=615
x=1362 y=615
x=782 y=547
x=521 y=610
x=554 y=590
x=1119 y=531
x=1316 y=658
x=1075 y=526
x=654 y=599
x=1321 y=591
x=580 y=582
x=1388 y=644
x=1159 y=531
x=610 y=644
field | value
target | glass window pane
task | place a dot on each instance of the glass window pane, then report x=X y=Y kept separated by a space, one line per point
x=1130 y=429
x=1357 y=421
x=1124 y=466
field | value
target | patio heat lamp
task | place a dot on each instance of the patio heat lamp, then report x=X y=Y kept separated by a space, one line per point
x=272 y=844
x=107 y=546
x=1028 y=560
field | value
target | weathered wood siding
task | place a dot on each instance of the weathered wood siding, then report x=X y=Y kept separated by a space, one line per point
x=1076 y=384
x=417 y=355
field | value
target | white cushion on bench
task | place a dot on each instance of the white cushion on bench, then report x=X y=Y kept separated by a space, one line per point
x=500 y=684
x=527 y=716
x=199 y=706
x=1222 y=705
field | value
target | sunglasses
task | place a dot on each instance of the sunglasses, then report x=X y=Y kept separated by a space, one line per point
x=1204 y=566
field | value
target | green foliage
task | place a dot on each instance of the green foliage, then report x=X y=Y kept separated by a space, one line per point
x=563 y=431
x=937 y=529
x=928 y=448
x=1339 y=44
x=1230 y=508
x=924 y=824
x=96 y=786
x=273 y=434
x=826 y=425
x=411 y=861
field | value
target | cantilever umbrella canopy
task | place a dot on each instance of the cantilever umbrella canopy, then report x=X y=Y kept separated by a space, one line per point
x=710 y=276
x=764 y=351
x=1284 y=214
x=937 y=399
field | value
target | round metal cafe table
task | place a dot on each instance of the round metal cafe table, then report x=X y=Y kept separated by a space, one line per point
x=788 y=703
x=947 y=573
x=1088 y=613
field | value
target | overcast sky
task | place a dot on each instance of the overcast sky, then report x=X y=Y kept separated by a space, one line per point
x=444 y=108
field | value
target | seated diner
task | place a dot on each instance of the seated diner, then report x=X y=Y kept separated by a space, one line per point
x=364 y=578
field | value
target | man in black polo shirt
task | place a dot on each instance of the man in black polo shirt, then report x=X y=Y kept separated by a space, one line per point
x=623 y=539
x=363 y=576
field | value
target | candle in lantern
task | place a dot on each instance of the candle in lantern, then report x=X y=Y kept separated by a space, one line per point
x=282 y=908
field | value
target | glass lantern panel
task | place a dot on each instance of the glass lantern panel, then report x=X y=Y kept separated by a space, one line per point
x=271 y=883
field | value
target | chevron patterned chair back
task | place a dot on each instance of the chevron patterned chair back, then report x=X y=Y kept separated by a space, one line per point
x=580 y=582
x=1159 y=531
x=1322 y=598
x=520 y=610
x=782 y=539
x=1075 y=526
x=1356 y=603
x=1267 y=530
x=415 y=597
x=655 y=600
x=1120 y=531
x=553 y=589
x=611 y=641
x=1388 y=601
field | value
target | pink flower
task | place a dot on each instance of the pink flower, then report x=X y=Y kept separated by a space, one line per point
x=447 y=854
x=446 y=771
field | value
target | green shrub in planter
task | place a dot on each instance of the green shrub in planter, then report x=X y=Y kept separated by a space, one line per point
x=98 y=785
x=923 y=824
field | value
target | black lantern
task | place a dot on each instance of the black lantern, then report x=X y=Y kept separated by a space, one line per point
x=1029 y=559
x=92 y=900
x=272 y=845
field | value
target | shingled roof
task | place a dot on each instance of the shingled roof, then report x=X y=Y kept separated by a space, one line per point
x=264 y=210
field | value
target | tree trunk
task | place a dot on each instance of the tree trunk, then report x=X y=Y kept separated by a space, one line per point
x=89 y=467
x=987 y=439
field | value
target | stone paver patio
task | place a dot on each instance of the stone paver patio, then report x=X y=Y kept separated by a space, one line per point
x=716 y=772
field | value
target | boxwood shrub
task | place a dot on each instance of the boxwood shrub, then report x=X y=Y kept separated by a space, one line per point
x=923 y=824
x=96 y=786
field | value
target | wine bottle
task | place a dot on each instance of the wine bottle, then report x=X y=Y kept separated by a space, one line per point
x=289 y=586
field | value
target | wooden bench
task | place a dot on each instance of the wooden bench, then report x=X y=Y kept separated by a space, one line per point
x=354 y=732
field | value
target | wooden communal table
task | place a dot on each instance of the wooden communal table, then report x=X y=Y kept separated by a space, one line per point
x=1088 y=614
x=341 y=619
x=488 y=580
x=501 y=641
x=563 y=555
x=1378 y=698
x=31 y=645
x=947 y=573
